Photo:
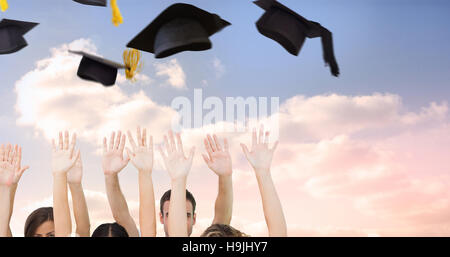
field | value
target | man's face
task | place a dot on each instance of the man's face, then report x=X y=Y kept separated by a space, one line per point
x=190 y=217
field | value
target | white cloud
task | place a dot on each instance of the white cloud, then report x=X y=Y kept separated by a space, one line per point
x=174 y=73
x=51 y=93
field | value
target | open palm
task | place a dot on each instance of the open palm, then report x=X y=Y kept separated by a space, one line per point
x=218 y=158
x=260 y=155
x=177 y=164
x=112 y=160
x=141 y=155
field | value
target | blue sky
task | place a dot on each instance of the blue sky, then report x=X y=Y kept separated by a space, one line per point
x=392 y=46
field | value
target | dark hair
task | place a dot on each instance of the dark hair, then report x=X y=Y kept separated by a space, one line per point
x=37 y=218
x=222 y=230
x=166 y=197
x=110 y=230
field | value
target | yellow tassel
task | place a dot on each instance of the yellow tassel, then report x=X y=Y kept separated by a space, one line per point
x=3 y=5
x=132 y=61
x=117 y=17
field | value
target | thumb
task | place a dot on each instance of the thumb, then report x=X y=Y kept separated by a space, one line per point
x=76 y=157
x=21 y=171
x=245 y=149
x=191 y=154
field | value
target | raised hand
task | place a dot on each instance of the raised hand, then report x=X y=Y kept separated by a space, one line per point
x=260 y=155
x=10 y=165
x=75 y=174
x=141 y=154
x=177 y=164
x=218 y=158
x=112 y=160
x=63 y=157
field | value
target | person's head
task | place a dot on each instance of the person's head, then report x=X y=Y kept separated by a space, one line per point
x=40 y=223
x=110 y=230
x=190 y=210
x=222 y=230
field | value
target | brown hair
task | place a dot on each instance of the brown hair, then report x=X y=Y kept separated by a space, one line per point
x=222 y=230
x=166 y=197
x=37 y=218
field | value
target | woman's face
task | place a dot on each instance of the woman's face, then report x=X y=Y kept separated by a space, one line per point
x=46 y=229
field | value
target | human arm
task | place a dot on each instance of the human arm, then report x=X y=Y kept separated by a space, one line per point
x=113 y=162
x=260 y=158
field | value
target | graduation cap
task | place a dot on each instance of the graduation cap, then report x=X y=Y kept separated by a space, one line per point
x=181 y=27
x=92 y=2
x=290 y=30
x=117 y=17
x=11 y=35
x=98 y=69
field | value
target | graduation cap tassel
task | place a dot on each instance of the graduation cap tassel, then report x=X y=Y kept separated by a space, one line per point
x=132 y=61
x=4 y=5
x=117 y=17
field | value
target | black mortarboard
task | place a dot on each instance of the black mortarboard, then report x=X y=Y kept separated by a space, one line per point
x=97 y=69
x=92 y=2
x=11 y=35
x=290 y=30
x=181 y=27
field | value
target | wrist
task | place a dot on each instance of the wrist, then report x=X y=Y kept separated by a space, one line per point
x=179 y=181
x=4 y=187
x=60 y=175
x=145 y=171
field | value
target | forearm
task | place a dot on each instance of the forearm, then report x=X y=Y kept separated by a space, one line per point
x=177 y=209
x=61 y=211
x=273 y=211
x=13 y=190
x=80 y=210
x=223 y=209
x=147 y=216
x=118 y=205
x=5 y=195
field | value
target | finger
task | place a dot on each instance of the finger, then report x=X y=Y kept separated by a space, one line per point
x=245 y=149
x=225 y=143
x=150 y=146
x=2 y=152
x=275 y=146
x=266 y=138
x=161 y=151
x=8 y=154
x=191 y=154
x=139 y=137
x=111 y=141
x=129 y=153
x=261 y=134
x=76 y=157
x=60 y=141
x=13 y=155
x=122 y=143
x=254 y=138
x=216 y=141
x=144 y=137
x=117 y=143
x=18 y=157
x=66 y=140
x=211 y=143
x=23 y=169
x=166 y=144
x=180 y=143
x=131 y=140
x=208 y=148
x=73 y=143
x=206 y=159
x=172 y=140
x=105 y=145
